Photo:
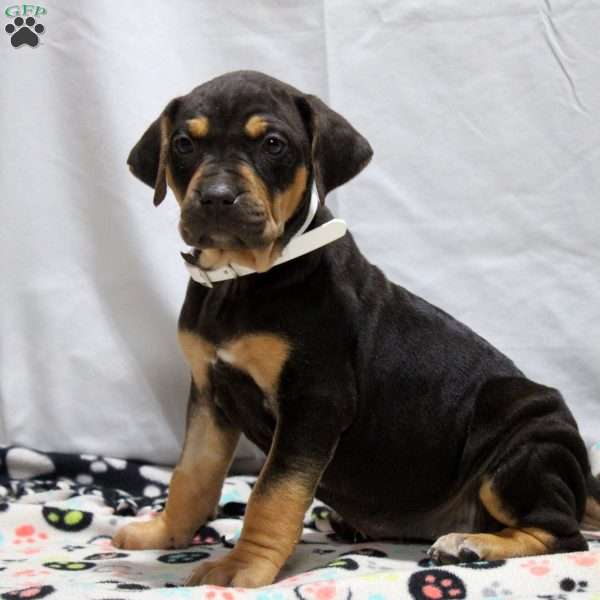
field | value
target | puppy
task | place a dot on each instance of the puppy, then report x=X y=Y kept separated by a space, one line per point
x=362 y=394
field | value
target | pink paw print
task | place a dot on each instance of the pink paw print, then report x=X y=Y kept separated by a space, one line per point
x=103 y=541
x=537 y=567
x=583 y=559
x=319 y=590
x=293 y=581
x=220 y=594
x=31 y=573
x=25 y=535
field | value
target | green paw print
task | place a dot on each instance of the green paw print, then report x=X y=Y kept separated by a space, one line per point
x=66 y=565
x=67 y=520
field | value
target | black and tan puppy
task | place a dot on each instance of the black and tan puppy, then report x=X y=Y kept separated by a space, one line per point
x=386 y=408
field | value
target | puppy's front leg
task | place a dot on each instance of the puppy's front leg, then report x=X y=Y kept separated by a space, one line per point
x=275 y=513
x=196 y=483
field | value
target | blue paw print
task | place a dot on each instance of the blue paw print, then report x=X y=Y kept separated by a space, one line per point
x=230 y=495
x=270 y=595
x=177 y=592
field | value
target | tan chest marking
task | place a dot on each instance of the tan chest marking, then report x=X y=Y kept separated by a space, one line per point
x=286 y=202
x=261 y=355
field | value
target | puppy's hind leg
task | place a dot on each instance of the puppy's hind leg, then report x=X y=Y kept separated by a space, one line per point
x=591 y=516
x=537 y=493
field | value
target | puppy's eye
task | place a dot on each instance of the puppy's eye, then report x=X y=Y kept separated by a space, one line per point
x=273 y=145
x=182 y=144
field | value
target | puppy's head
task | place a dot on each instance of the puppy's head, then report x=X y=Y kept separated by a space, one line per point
x=240 y=153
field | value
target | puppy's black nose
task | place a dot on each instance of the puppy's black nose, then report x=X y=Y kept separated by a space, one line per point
x=218 y=194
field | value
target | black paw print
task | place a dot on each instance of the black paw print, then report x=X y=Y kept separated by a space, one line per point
x=31 y=593
x=24 y=32
x=177 y=558
x=570 y=585
x=65 y=565
x=106 y=556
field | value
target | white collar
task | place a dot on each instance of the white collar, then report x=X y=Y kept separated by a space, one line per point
x=300 y=244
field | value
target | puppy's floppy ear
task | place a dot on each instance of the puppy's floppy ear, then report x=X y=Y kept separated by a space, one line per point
x=338 y=151
x=148 y=158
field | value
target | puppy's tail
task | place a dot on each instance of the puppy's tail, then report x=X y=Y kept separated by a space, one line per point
x=591 y=517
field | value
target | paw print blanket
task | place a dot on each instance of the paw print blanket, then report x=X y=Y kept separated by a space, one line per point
x=58 y=513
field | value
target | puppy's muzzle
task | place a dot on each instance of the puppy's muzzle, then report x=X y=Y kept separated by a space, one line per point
x=221 y=214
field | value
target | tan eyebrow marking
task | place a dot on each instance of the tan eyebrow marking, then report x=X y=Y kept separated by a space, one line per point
x=255 y=126
x=198 y=127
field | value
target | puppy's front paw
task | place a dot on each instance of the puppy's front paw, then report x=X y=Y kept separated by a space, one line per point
x=455 y=548
x=234 y=571
x=154 y=534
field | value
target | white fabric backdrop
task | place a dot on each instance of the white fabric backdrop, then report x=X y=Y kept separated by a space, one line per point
x=482 y=196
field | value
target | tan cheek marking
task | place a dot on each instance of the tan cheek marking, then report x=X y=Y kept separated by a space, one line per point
x=262 y=356
x=199 y=354
x=198 y=127
x=286 y=203
x=261 y=259
x=255 y=126
x=194 y=183
x=256 y=187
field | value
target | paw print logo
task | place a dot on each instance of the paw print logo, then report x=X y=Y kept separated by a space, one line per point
x=537 y=567
x=436 y=584
x=24 y=32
